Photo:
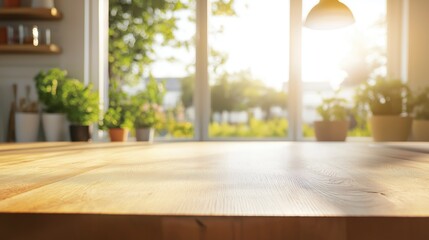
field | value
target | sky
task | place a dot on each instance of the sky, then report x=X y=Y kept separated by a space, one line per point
x=258 y=40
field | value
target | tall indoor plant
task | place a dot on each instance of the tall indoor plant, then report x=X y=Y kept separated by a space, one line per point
x=334 y=124
x=421 y=121
x=82 y=109
x=49 y=86
x=390 y=102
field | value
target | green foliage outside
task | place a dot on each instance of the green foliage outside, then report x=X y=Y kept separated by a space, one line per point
x=333 y=109
x=49 y=86
x=255 y=128
x=137 y=26
x=422 y=105
x=237 y=92
x=180 y=129
x=81 y=103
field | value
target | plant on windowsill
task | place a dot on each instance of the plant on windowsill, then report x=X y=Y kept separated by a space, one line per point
x=49 y=87
x=334 y=124
x=390 y=102
x=118 y=121
x=420 y=128
x=81 y=104
x=147 y=110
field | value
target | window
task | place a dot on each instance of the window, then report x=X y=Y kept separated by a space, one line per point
x=248 y=93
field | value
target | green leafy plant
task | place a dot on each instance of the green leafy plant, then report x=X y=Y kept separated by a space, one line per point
x=117 y=117
x=81 y=103
x=148 y=115
x=385 y=97
x=333 y=109
x=49 y=86
x=422 y=105
x=147 y=104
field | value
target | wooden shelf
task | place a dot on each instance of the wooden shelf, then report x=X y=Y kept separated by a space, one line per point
x=30 y=49
x=26 y=13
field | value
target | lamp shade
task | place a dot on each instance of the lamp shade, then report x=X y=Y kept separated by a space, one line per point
x=329 y=14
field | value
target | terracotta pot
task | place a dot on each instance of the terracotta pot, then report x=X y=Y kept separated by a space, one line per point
x=390 y=128
x=331 y=130
x=421 y=130
x=80 y=133
x=145 y=134
x=11 y=3
x=118 y=134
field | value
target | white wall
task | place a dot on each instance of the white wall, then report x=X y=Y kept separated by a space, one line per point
x=68 y=33
x=418 y=42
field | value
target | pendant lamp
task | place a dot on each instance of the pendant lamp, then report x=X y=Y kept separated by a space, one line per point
x=329 y=14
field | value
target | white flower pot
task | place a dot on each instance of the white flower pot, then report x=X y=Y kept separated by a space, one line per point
x=145 y=134
x=27 y=126
x=421 y=130
x=43 y=4
x=54 y=126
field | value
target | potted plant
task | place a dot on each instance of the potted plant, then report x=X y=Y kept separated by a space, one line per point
x=145 y=120
x=82 y=109
x=118 y=121
x=49 y=86
x=390 y=104
x=420 y=129
x=147 y=109
x=334 y=124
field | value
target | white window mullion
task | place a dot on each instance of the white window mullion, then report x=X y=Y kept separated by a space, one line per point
x=202 y=89
x=295 y=62
x=397 y=38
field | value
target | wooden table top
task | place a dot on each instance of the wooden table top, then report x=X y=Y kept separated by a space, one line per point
x=216 y=179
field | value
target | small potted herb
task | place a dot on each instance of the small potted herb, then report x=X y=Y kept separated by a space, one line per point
x=147 y=109
x=118 y=121
x=390 y=102
x=421 y=121
x=49 y=86
x=82 y=109
x=147 y=117
x=334 y=124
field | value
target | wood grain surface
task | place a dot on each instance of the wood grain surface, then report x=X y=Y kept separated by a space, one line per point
x=251 y=190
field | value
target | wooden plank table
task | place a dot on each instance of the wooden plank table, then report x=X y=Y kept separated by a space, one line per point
x=236 y=191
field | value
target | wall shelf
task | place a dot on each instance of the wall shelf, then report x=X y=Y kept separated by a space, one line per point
x=26 y=13
x=29 y=49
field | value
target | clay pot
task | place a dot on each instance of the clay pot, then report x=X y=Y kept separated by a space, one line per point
x=421 y=130
x=11 y=3
x=331 y=130
x=390 y=128
x=118 y=134
x=80 y=133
